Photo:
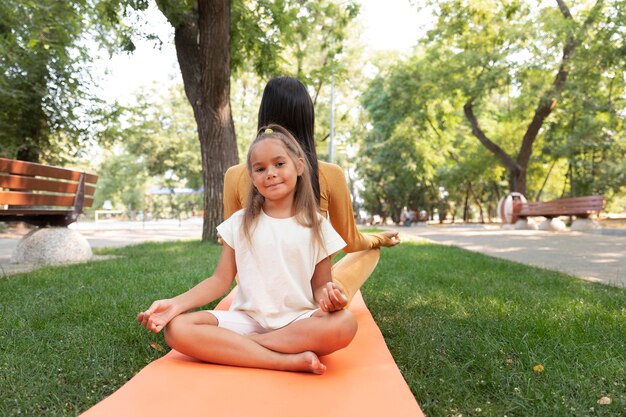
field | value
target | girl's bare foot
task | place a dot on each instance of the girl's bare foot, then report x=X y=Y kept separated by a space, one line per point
x=300 y=362
x=306 y=362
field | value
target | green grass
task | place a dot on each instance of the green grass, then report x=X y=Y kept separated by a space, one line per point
x=465 y=330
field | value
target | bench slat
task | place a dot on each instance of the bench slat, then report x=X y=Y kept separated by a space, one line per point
x=16 y=198
x=28 y=212
x=12 y=166
x=17 y=182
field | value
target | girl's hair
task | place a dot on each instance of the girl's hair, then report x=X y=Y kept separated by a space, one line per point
x=286 y=102
x=304 y=202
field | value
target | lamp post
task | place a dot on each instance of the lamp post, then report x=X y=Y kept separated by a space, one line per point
x=331 y=137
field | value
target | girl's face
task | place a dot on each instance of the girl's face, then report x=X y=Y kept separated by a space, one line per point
x=274 y=173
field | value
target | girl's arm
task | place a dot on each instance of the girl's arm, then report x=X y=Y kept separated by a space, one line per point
x=162 y=311
x=213 y=287
x=326 y=293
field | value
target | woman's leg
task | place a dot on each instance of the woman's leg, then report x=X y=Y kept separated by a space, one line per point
x=351 y=272
x=197 y=335
x=322 y=333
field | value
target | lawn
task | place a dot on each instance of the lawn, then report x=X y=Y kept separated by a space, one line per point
x=472 y=335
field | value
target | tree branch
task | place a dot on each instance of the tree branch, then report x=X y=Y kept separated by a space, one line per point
x=548 y=102
x=490 y=145
x=187 y=52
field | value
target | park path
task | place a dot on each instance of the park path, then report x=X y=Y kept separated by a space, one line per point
x=593 y=256
x=109 y=234
x=598 y=256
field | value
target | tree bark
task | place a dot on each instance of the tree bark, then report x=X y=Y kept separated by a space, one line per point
x=202 y=42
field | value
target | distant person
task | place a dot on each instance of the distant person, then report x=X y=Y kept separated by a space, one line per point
x=287 y=312
x=286 y=102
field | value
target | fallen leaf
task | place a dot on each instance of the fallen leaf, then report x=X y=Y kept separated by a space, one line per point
x=604 y=401
x=156 y=346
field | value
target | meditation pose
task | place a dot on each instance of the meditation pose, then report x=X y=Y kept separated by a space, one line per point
x=286 y=102
x=287 y=311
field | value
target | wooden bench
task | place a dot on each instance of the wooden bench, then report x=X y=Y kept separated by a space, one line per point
x=43 y=195
x=580 y=207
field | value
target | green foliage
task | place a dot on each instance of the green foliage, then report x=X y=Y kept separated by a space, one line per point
x=155 y=145
x=502 y=57
x=46 y=108
x=122 y=180
x=406 y=101
x=587 y=131
x=162 y=130
x=40 y=76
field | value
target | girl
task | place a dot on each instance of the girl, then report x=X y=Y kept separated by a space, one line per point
x=279 y=247
x=286 y=101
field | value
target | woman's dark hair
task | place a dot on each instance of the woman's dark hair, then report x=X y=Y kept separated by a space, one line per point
x=286 y=102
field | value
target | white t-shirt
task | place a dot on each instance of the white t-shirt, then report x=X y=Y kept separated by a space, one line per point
x=275 y=271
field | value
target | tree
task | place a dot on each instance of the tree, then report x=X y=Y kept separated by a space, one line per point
x=46 y=109
x=491 y=47
x=35 y=45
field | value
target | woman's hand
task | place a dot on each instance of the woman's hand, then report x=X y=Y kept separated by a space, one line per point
x=158 y=315
x=331 y=298
x=390 y=238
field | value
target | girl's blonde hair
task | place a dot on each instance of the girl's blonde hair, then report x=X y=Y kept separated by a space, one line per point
x=304 y=201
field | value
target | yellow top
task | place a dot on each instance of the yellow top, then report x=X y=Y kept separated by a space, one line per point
x=335 y=204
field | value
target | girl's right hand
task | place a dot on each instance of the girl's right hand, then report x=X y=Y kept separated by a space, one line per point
x=158 y=315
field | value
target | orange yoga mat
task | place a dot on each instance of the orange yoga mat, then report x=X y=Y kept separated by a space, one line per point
x=361 y=380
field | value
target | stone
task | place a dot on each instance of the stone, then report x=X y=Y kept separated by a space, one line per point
x=525 y=224
x=52 y=245
x=585 y=224
x=521 y=224
x=553 y=225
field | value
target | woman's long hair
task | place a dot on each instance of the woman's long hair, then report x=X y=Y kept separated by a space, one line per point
x=286 y=102
x=305 y=205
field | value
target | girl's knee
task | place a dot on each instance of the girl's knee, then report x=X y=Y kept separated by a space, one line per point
x=176 y=329
x=345 y=327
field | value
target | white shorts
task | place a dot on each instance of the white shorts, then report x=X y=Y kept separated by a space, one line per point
x=240 y=322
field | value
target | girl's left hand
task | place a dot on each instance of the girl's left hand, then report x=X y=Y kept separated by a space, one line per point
x=332 y=298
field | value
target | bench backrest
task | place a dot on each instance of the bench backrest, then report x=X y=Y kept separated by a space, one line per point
x=40 y=190
x=571 y=206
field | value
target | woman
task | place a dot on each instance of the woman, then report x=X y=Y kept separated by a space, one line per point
x=286 y=102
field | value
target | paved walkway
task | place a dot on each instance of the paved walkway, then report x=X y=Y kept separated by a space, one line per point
x=111 y=234
x=599 y=257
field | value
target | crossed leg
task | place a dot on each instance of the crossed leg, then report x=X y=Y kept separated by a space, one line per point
x=322 y=333
x=197 y=335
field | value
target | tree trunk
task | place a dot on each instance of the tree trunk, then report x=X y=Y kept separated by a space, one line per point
x=517 y=179
x=466 y=205
x=477 y=201
x=203 y=48
x=545 y=181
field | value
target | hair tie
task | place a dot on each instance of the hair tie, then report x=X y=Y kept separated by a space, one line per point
x=268 y=130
